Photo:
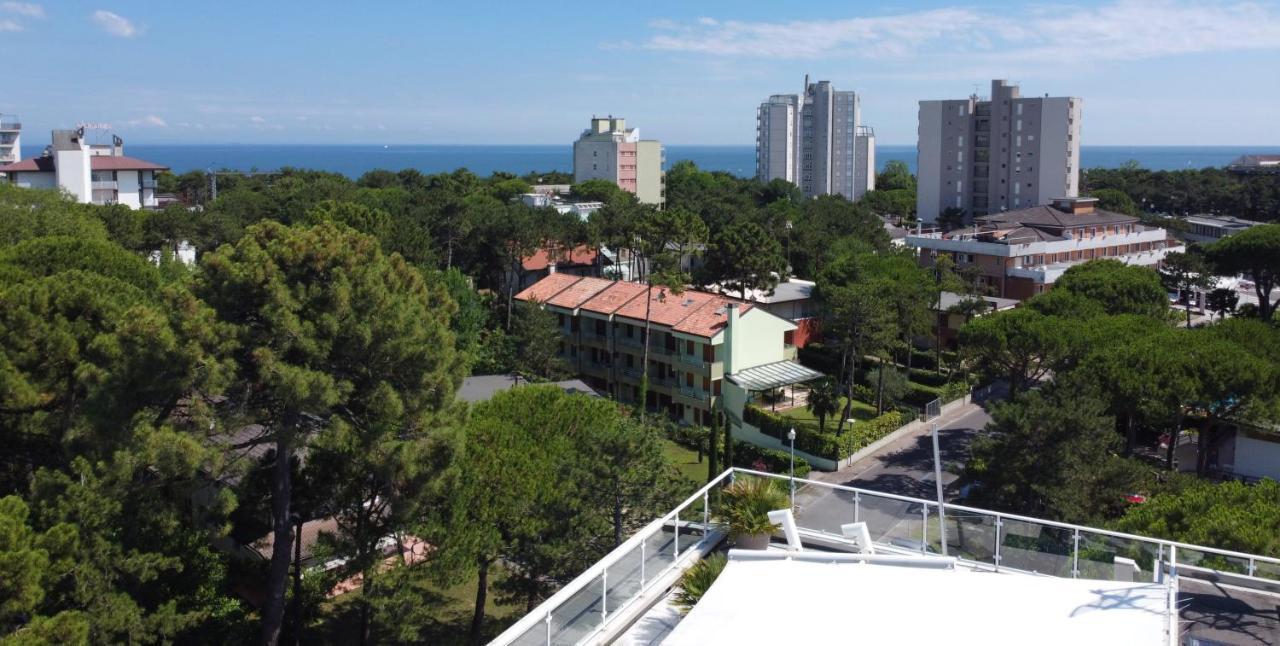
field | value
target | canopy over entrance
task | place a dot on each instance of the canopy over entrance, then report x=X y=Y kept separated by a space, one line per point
x=774 y=375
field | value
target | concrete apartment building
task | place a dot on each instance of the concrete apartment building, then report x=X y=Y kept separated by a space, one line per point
x=816 y=141
x=991 y=155
x=10 y=139
x=698 y=343
x=610 y=151
x=1022 y=253
x=1207 y=227
x=92 y=173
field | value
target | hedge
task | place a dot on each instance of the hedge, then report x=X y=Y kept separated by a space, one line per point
x=824 y=445
x=747 y=456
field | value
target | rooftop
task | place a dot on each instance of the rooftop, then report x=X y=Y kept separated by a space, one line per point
x=949 y=300
x=480 y=388
x=1056 y=217
x=44 y=164
x=542 y=258
x=862 y=565
x=692 y=312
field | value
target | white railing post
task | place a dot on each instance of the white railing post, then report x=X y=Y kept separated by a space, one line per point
x=676 y=555
x=1252 y=566
x=1158 y=575
x=548 y=622
x=996 y=557
x=1075 y=554
x=706 y=514
x=857 y=499
x=1173 y=561
x=604 y=597
x=924 y=527
x=642 y=559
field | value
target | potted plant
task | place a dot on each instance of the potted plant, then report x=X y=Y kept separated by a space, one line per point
x=697 y=579
x=745 y=510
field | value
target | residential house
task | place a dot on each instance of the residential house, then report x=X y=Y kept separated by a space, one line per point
x=92 y=173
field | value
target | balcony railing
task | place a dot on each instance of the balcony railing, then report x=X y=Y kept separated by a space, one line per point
x=148 y=183
x=105 y=185
x=692 y=359
x=693 y=393
x=650 y=561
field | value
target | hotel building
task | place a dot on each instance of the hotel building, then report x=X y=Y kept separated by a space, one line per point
x=92 y=173
x=610 y=151
x=701 y=345
x=1021 y=253
x=10 y=139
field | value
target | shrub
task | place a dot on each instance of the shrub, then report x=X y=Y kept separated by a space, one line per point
x=824 y=445
x=864 y=394
x=745 y=505
x=928 y=377
x=954 y=390
x=750 y=456
x=698 y=579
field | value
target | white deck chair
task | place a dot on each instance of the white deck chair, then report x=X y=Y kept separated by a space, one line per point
x=861 y=535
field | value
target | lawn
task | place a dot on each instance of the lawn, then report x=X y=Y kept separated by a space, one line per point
x=860 y=411
x=686 y=462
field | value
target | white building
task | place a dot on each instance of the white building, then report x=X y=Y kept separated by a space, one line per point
x=10 y=139
x=816 y=141
x=541 y=200
x=1007 y=152
x=610 y=151
x=92 y=173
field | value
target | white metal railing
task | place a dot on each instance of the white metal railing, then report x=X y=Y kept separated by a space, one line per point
x=104 y=184
x=977 y=538
x=582 y=608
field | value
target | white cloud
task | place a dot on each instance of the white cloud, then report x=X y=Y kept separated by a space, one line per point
x=1123 y=30
x=115 y=24
x=28 y=9
x=257 y=119
x=149 y=120
x=9 y=25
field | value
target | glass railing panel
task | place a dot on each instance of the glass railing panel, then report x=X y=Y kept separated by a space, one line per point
x=535 y=636
x=658 y=552
x=623 y=580
x=899 y=523
x=1209 y=560
x=971 y=536
x=579 y=616
x=694 y=518
x=1116 y=558
x=824 y=510
x=1266 y=570
x=1036 y=547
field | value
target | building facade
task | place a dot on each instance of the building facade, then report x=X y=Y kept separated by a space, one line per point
x=610 y=151
x=1018 y=254
x=1206 y=227
x=696 y=340
x=1007 y=152
x=816 y=141
x=92 y=173
x=10 y=139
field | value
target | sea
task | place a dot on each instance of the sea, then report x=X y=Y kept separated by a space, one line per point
x=354 y=160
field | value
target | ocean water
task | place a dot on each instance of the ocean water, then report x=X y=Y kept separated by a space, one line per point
x=355 y=160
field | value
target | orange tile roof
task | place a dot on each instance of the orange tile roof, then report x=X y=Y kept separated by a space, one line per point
x=579 y=292
x=611 y=298
x=709 y=319
x=548 y=287
x=666 y=308
x=543 y=257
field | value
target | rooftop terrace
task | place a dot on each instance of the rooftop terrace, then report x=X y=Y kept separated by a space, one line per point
x=1222 y=595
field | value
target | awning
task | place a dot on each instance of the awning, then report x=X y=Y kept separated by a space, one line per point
x=774 y=375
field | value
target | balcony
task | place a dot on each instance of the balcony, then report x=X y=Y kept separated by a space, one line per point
x=692 y=360
x=10 y=125
x=149 y=183
x=605 y=600
x=695 y=394
x=106 y=185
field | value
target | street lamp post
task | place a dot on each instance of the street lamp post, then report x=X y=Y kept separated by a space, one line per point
x=791 y=435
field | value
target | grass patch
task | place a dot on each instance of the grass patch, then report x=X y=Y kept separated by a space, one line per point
x=686 y=462
x=860 y=411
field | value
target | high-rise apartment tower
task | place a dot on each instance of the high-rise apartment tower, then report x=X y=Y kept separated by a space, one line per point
x=816 y=141
x=985 y=156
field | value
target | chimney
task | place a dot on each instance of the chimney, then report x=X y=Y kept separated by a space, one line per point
x=1076 y=205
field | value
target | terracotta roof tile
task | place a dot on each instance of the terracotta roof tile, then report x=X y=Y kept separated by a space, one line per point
x=611 y=298
x=542 y=258
x=579 y=292
x=666 y=308
x=709 y=319
x=547 y=288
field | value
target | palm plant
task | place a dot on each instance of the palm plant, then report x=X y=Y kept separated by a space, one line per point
x=697 y=580
x=747 y=503
x=824 y=401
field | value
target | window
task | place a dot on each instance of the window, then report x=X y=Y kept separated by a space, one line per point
x=1017 y=125
x=960 y=141
x=1019 y=109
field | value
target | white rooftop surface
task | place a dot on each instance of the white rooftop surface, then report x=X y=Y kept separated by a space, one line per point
x=796 y=602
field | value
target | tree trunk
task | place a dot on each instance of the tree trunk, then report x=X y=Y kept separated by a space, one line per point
x=295 y=603
x=1204 y=446
x=482 y=594
x=1189 y=312
x=1264 y=300
x=713 y=447
x=848 y=403
x=728 y=444
x=617 y=514
x=1173 y=442
x=282 y=529
x=1130 y=434
x=880 y=389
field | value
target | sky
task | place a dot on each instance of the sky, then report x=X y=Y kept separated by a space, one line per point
x=1151 y=72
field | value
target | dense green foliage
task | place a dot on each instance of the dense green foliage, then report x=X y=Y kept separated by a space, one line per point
x=1186 y=192
x=1230 y=515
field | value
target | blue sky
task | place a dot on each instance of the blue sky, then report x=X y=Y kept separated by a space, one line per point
x=1151 y=72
